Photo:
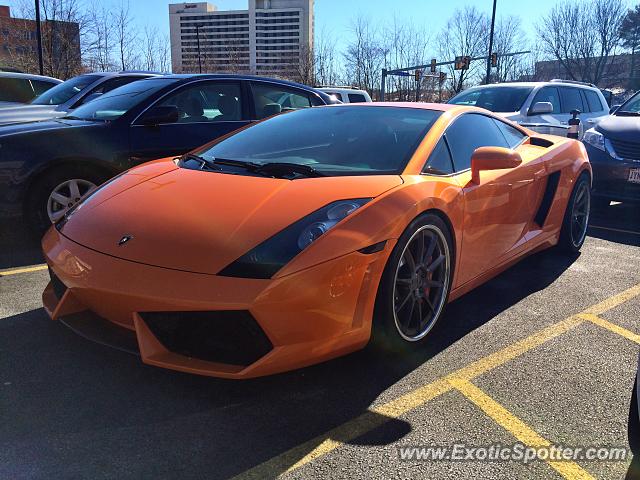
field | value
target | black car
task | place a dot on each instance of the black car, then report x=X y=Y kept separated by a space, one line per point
x=64 y=97
x=46 y=167
x=613 y=146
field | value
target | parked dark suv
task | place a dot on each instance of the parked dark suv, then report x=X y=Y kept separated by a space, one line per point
x=613 y=146
x=47 y=167
x=18 y=88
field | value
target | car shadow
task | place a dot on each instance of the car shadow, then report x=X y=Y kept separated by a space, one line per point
x=618 y=223
x=634 y=436
x=19 y=247
x=70 y=399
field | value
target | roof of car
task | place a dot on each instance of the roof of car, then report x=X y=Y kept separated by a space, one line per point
x=443 y=107
x=239 y=77
x=28 y=76
x=534 y=84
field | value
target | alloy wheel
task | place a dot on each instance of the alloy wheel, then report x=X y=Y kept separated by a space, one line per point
x=66 y=195
x=580 y=214
x=421 y=283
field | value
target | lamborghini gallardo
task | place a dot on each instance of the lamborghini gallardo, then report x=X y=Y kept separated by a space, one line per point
x=310 y=234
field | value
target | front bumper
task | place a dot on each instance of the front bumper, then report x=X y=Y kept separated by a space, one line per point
x=611 y=176
x=307 y=317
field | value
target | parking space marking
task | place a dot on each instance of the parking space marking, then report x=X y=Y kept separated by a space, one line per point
x=329 y=441
x=35 y=268
x=516 y=427
x=612 y=327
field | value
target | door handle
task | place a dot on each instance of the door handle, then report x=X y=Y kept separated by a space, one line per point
x=591 y=120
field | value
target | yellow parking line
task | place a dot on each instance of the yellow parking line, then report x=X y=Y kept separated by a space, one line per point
x=35 y=268
x=516 y=427
x=333 y=439
x=612 y=302
x=601 y=322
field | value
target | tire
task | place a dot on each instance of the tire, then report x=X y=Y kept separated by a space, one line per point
x=396 y=325
x=40 y=201
x=576 y=216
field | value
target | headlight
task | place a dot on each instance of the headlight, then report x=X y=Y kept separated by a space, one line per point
x=594 y=138
x=273 y=254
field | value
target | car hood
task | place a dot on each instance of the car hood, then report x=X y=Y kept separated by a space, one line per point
x=202 y=221
x=620 y=128
x=28 y=113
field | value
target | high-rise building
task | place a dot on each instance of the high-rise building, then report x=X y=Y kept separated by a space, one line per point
x=272 y=37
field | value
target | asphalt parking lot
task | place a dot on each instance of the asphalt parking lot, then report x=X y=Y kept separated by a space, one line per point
x=546 y=352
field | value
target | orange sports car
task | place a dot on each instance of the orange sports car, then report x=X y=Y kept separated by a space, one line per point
x=307 y=235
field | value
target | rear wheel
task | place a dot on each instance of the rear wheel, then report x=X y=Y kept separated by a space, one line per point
x=576 y=217
x=414 y=286
x=58 y=190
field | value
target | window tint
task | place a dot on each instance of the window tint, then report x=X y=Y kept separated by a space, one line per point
x=207 y=102
x=593 y=99
x=272 y=99
x=571 y=99
x=357 y=98
x=548 y=94
x=65 y=90
x=512 y=135
x=469 y=132
x=440 y=161
x=496 y=99
x=40 y=86
x=15 y=90
x=342 y=140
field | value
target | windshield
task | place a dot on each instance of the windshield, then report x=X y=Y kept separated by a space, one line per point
x=340 y=140
x=630 y=106
x=496 y=99
x=65 y=90
x=117 y=102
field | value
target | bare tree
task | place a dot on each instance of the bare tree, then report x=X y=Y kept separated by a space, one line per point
x=101 y=41
x=630 y=35
x=125 y=35
x=465 y=34
x=325 y=60
x=583 y=37
x=364 y=56
x=509 y=38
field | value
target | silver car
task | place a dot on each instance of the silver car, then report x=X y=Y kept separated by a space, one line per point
x=544 y=107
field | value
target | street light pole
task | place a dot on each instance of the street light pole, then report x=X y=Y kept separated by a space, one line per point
x=493 y=24
x=198 y=40
x=39 y=36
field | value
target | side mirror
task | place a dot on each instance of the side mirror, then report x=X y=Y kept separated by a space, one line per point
x=492 y=158
x=161 y=114
x=91 y=96
x=613 y=109
x=540 y=108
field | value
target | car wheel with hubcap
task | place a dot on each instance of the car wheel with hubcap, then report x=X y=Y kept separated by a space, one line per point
x=415 y=285
x=576 y=217
x=52 y=195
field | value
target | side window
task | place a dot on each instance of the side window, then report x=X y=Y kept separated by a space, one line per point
x=512 y=135
x=548 y=94
x=107 y=86
x=335 y=94
x=357 y=98
x=272 y=99
x=15 y=90
x=571 y=99
x=593 y=99
x=440 y=161
x=469 y=132
x=40 y=86
x=207 y=102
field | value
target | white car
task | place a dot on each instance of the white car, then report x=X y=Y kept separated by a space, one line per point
x=544 y=107
x=347 y=94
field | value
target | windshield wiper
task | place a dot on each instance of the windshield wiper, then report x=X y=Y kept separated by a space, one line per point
x=204 y=162
x=285 y=168
x=626 y=113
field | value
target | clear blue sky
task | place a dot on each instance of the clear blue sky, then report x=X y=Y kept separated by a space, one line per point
x=334 y=15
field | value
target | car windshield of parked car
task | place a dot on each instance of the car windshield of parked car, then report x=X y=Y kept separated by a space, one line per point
x=117 y=102
x=630 y=107
x=64 y=91
x=496 y=99
x=337 y=140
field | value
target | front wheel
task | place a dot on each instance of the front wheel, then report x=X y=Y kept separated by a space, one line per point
x=576 y=216
x=415 y=285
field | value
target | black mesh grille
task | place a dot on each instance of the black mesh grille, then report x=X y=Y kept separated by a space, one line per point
x=624 y=149
x=58 y=287
x=232 y=337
